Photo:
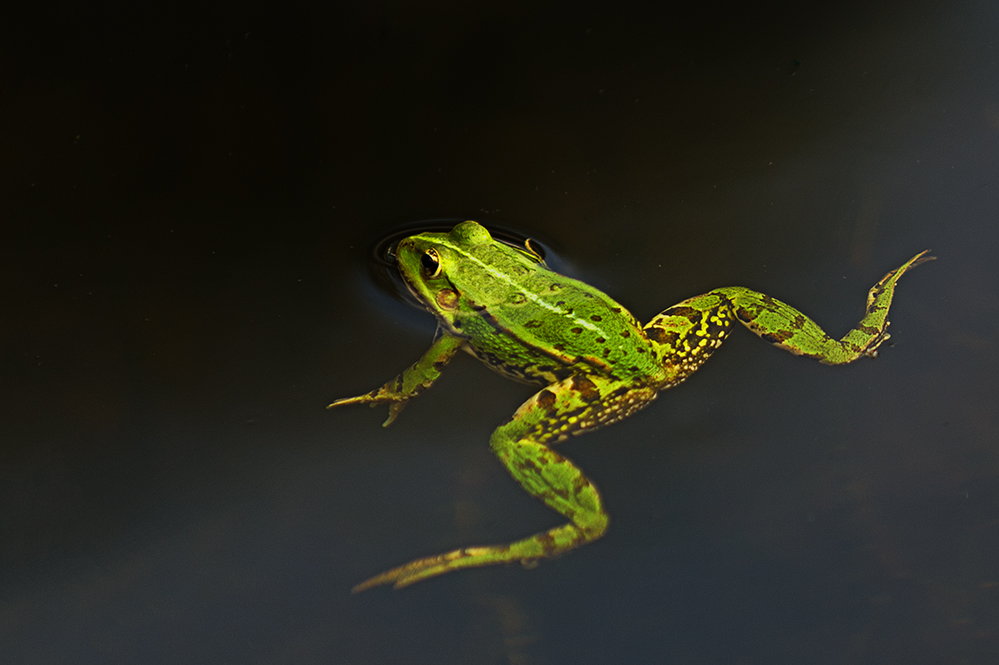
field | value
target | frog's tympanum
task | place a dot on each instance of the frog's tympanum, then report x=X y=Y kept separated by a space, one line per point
x=596 y=365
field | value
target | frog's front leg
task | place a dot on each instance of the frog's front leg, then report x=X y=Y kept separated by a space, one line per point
x=412 y=381
x=573 y=406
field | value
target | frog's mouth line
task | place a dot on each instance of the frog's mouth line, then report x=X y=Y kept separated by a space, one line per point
x=409 y=286
x=417 y=299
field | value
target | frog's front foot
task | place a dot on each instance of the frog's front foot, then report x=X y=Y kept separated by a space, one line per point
x=396 y=403
x=413 y=380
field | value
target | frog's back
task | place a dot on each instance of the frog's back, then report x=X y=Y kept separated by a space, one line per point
x=548 y=325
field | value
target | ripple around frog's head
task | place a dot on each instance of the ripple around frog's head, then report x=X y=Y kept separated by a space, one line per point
x=383 y=263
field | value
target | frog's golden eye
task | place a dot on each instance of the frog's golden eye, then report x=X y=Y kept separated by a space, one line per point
x=431 y=263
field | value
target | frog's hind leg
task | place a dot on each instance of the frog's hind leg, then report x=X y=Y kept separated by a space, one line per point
x=785 y=327
x=571 y=407
x=685 y=335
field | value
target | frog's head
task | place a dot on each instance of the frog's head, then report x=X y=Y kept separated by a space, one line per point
x=460 y=271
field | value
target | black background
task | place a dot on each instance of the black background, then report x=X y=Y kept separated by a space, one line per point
x=188 y=195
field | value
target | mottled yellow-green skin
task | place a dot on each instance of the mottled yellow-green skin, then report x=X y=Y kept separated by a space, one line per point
x=596 y=362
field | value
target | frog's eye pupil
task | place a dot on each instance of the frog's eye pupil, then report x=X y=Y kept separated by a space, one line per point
x=431 y=263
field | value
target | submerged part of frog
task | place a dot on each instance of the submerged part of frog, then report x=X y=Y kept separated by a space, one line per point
x=596 y=362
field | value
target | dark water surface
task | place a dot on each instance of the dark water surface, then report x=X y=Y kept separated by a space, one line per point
x=189 y=194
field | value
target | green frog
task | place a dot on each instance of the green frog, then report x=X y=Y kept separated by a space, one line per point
x=595 y=363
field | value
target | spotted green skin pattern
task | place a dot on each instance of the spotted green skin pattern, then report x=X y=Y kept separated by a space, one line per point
x=596 y=365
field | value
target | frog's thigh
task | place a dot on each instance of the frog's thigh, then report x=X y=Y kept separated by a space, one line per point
x=567 y=408
x=685 y=335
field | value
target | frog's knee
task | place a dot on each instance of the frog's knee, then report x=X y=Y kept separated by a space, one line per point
x=499 y=443
x=596 y=526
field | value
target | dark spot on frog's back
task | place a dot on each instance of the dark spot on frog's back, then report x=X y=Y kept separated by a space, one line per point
x=596 y=317
x=528 y=465
x=546 y=399
x=575 y=331
x=587 y=389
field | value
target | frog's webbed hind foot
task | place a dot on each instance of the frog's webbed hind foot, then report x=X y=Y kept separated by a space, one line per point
x=527 y=551
x=879 y=300
x=872 y=331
